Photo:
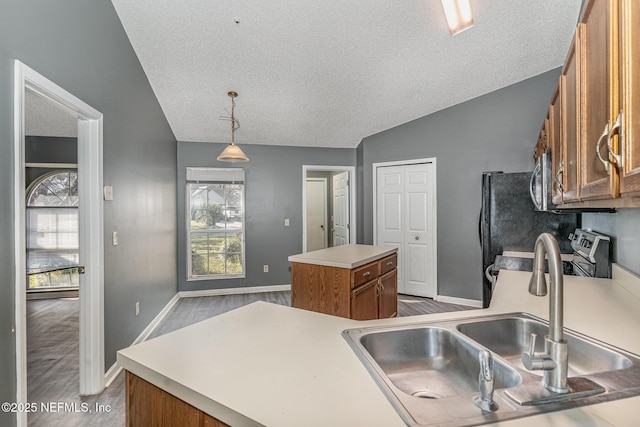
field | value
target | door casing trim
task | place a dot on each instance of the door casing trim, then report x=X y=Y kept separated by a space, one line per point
x=352 y=199
x=90 y=134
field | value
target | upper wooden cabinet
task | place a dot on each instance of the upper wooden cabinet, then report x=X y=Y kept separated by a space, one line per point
x=570 y=123
x=629 y=134
x=595 y=132
x=554 y=142
x=598 y=35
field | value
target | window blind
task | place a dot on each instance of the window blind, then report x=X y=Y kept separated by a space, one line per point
x=215 y=175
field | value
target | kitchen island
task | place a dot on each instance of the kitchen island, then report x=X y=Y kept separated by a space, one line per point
x=271 y=365
x=354 y=281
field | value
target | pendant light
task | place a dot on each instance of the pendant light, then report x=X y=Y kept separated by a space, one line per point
x=233 y=153
x=458 y=14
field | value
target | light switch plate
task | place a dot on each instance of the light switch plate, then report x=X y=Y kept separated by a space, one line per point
x=108 y=192
x=286 y=222
x=114 y=238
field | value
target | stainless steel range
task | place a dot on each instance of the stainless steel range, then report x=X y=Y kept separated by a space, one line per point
x=591 y=253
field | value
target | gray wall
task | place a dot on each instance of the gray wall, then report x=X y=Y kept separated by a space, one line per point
x=48 y=149
x=624 y=228
x=273 y=192
x=81 y=46
x=496 y=131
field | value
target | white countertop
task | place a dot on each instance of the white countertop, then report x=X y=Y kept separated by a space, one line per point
x=265 y=364
x=345 y=256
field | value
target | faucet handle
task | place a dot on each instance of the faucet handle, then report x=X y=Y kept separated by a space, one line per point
x=532 y=343
x=533 y=361
x=530 y=360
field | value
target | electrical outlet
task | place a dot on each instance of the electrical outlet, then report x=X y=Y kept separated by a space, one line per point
x=265 y=268
x=286 y=222
x=137 y=308
x=114 y=238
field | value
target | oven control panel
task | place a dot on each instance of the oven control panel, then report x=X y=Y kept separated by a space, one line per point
x=591 y=253
x=587 y=242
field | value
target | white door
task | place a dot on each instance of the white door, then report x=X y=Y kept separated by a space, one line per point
x=405 y=218
x=316 y=214
x=341 y=209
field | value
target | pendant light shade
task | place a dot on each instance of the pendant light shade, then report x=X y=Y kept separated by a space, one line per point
x=233 y=153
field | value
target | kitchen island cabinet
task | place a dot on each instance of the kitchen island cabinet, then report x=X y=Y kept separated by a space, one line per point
x=148 y=405
x=354 y=281
x=270 y=365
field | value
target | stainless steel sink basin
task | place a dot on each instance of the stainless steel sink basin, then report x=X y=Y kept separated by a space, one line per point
x=509 y=337
x=429 y=371
x=432 y=362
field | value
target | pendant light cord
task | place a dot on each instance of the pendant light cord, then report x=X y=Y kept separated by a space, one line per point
x=235 y=123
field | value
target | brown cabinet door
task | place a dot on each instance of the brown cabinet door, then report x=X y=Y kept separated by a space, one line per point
x=364 y=301
x=388 y=295
x=629 y=134
x=599 y=97
x=148 y=405
x=569 y=119
x=555 y=143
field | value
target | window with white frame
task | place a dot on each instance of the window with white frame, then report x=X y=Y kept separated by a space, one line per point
x=215 y=223
x=52 y=231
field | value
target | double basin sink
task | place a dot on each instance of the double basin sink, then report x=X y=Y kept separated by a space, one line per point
x=430 y=371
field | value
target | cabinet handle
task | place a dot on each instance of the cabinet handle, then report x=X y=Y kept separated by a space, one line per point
x=616 y=126
x=558 y=179
x=604 y=135
x=366 y=273
x=390 y=263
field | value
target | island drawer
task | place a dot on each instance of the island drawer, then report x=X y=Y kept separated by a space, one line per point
x=364 y=274
x=388 y=263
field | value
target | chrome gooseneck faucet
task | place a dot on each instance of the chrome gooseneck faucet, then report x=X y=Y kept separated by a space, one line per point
x=554 y=360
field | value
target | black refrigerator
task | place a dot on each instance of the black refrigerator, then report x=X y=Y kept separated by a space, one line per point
x=509 y=221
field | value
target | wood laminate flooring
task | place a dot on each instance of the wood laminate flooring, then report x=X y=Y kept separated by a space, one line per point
x=52 y=352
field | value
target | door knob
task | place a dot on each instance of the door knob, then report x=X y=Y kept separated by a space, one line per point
x=417 y=237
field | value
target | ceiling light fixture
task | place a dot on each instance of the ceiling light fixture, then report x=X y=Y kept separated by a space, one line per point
x=458 y=14
x=233 y=153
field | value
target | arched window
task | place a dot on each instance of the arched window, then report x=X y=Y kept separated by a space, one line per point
x=52 y=231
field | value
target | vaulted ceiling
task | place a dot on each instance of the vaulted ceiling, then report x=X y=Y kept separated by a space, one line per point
x=329 y=73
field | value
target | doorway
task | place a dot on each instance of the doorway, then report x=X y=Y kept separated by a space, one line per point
x=338 y=203
x=90 y=229
x=404 y=216
x=317 y=214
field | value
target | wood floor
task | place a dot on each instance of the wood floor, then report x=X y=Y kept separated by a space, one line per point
x=52 y=352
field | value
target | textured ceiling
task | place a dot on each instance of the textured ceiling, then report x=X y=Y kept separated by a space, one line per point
x=329 y=73
x=42 y=118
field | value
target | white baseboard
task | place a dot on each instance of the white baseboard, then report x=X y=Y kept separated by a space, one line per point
x=114 y=370
x=459 y=301
x=234 y=291
x=111 y=374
